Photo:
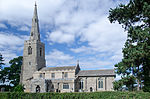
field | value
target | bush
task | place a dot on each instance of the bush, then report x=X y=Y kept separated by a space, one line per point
x=84 y=95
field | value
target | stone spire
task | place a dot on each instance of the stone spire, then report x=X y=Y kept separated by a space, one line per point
x=35 y=34
x=77 y=63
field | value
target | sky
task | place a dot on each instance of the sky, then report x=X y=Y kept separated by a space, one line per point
x=71 y=30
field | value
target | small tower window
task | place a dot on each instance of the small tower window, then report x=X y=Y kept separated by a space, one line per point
x=29 y=63
x=29 y=50
x=40 y=51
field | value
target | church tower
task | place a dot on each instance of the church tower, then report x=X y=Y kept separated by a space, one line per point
x=33 y=53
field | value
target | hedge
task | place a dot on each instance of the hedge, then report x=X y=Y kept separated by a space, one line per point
x=84 y=95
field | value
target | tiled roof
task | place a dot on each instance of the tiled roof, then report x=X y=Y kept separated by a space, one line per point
x=58 y=68
x=107 y=72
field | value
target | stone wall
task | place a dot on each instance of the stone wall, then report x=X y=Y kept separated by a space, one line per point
x=58 y=74
x=91 y=84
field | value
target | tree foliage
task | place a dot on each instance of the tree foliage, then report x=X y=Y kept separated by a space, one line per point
x=15 y=70
x=19 y=88
x=117 y=85
x=135 y=19
x=11 y=75
x=1 y=61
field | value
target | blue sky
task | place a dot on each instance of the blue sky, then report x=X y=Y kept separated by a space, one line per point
x=71 y=30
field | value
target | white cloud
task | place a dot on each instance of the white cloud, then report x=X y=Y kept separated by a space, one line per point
x=80 y=49
x=9 y=39
x=8 y=55
x=57 y=57
x=103 y=35
x=23 y=28
x=10 y=45
x=3 y=26
x=60 y=37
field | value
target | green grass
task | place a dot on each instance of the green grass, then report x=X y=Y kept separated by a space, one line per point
x=84 y=95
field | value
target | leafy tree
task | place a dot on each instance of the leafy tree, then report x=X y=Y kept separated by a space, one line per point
x=1 y=61
x=11 y=74
x=135 y=19
x=4 y=75
x=1 y=64
x=15 y=70
x=117 y=85
x=129 y=81
x=19 y=88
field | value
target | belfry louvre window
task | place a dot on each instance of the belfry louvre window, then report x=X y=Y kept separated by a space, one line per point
x=29 y=50
x=65 y=86
x=40 y=51
x=100 y=83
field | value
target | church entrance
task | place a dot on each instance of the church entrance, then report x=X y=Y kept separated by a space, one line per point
x=91 y=89
x=37 y=88
x=57 y=90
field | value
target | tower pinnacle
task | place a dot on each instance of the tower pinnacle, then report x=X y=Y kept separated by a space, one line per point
x=77 y=62
x=35 y=3
x=35 y=35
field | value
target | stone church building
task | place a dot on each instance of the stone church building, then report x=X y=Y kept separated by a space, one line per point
x=36 y=77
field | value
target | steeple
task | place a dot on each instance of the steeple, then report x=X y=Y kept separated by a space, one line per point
x=78 y=65
x=35 y=34
x=77 y=62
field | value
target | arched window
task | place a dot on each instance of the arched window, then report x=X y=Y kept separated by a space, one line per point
x=81 y=84
x=40 y=51
x=29 y=50
x=100 y=83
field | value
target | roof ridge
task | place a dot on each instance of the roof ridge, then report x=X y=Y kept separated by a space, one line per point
x=97 y=70
x=62 y=66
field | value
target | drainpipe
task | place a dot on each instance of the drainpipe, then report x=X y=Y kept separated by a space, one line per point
x=96 y=83
x=105 y=83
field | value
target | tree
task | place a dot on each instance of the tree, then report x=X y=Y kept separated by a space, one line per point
x=135 y=19
x=1 y=64
x=1 y=61
x=117 y=85
x=11 y=74
x=19 y=88
x=15 y=70
x=129 y=81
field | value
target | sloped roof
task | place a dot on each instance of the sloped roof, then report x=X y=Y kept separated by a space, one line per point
x=58 y=68
x=107 y=72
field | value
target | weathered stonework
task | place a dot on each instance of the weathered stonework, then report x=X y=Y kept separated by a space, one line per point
x=36 y=77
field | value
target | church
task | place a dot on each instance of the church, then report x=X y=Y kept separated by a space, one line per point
x=36 y=77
